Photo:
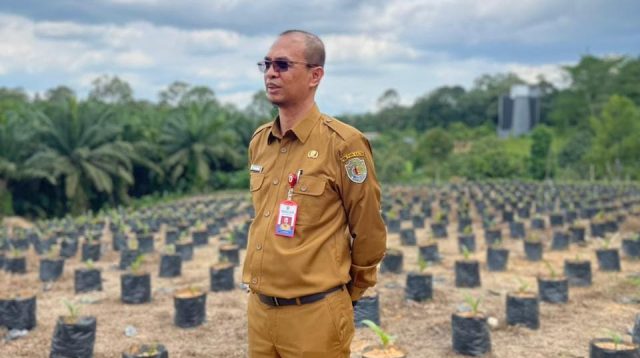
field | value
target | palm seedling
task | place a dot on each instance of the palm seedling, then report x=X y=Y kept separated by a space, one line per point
x=137 y=264
x=466 y=253
x=473 y=303
x=74 y=312
x=552 y=271
x=385 y=338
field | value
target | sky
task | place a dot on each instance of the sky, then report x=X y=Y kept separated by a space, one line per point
x=408 y=45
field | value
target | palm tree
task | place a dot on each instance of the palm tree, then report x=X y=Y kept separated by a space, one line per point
x=16 y=164
x=81 y=144
x=196 y=140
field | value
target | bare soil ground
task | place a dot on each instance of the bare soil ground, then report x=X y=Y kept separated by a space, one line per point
x=422 y=329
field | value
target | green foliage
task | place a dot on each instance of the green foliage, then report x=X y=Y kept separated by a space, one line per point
x=552 y=271
x=74 y=310
x=90 y=264
x=137 y=264
x=615 y=337
x=196 y=140
x=465 y=252
x=60 y=154
x=615 y=142
x=473 y=303
x=540 y=166
x=522 y=285
x=422 y=263
x=385 y=338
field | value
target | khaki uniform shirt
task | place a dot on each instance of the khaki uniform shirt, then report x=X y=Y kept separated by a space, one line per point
x=338 y=198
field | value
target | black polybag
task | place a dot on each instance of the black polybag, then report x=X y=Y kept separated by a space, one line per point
x=470 y=335
x=608 y=259
x=86 y=280
x=18 y=313
x=368 y=307
x=161 y=349
x=636 y=330
x=553 y=291
x=599 y=352
x=467 y=273
x=127 y=257
x=170 y=266
x=51 y=269
x=392 y=262
x=74 y=340
x=429 y=253
x=91 y=252
x=578 y=273
x=523 y=310
x=221 y=278
x=560 y=240
x=135 y=288
x=15 y=264
x=419 y=286
x=190 y=312
x=497 y=259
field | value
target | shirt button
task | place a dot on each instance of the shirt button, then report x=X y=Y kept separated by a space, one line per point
x=303 y=188
x=275 y=181
x=254 y=280
x=283 y=150
x=258 y=247
x=267 y=213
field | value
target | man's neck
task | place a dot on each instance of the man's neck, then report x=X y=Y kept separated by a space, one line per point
x=290 y=115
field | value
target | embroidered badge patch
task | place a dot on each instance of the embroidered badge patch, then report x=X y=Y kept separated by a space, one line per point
x=312 y=154
x=352 y=155
x=356 y=170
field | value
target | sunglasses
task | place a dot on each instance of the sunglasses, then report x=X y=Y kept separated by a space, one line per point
x=281 y=65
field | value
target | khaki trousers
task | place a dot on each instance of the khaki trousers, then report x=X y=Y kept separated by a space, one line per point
x=322 y=329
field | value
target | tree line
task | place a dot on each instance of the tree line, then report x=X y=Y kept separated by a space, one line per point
x=63 y=155
x=589 y=129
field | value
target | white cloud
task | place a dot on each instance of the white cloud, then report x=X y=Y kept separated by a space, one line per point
x=134 y=59
x=239 y=99
x=349 y=48
x=413 y=46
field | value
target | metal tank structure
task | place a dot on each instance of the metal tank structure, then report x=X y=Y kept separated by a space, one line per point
x=518 y=111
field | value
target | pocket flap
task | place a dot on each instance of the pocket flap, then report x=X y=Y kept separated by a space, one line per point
x=256 y=181
x=309 y=186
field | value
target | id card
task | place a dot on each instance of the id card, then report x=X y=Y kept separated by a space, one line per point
x=287 y=214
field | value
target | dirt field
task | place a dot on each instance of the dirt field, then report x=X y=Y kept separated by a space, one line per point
x=422 y=329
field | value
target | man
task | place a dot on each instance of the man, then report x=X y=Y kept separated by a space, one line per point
x=316 y=174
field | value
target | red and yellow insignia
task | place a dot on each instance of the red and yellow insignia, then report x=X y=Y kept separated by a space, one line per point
x=356 y=170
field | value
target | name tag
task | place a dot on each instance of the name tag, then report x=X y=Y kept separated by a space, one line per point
x=287 y=214
x=255 y=168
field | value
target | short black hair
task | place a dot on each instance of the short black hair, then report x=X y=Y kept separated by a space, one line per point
x=314 y=47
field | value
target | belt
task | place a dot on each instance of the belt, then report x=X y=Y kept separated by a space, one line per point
x=277 y=301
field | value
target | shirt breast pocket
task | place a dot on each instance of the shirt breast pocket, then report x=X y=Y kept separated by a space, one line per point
x=255 y=184
x=309 y=194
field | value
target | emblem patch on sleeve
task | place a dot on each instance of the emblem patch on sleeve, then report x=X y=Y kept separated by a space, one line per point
x=356 y=170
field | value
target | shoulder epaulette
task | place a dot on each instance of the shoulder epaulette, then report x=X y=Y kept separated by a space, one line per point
x=342 y=129
x=261 y=128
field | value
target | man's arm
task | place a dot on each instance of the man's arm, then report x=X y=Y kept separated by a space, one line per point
x=360 y=193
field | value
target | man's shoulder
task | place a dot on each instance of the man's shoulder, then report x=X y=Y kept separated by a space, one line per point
x=262 y=128
x=343 y=130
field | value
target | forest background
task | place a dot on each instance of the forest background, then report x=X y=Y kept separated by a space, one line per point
x=62 y=155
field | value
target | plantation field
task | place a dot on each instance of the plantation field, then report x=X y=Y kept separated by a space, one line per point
x=423 y=329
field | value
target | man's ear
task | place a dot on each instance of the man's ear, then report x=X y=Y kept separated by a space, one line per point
x=316 y=75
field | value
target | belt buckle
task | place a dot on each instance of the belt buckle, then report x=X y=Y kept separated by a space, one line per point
x=275 y=301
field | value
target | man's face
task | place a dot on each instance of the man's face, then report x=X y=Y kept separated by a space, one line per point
x=296 y=84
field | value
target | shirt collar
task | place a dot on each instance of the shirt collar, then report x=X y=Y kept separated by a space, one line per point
x=301 y=130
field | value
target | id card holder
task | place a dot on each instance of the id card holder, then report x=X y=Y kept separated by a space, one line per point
x=287 y=214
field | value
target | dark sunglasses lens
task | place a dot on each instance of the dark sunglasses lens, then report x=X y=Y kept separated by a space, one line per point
x=281 y=66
